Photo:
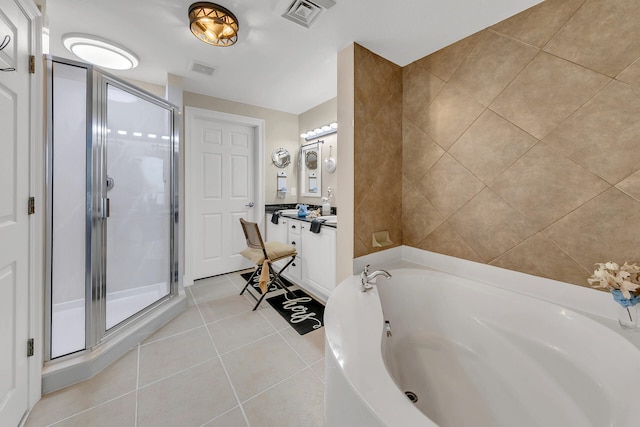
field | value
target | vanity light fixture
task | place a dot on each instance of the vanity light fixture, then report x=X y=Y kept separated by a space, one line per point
x=213 y=24
x=320 y=131
x=99 y=51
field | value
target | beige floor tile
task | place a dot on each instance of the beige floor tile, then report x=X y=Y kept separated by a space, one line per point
x=296 y=402
x=309 y=346
x=273 y=317
x=112 y=382
x=318 y=369
x=190 y=300
x=185 y=321
x=238 y=280
x=257 y=366
x=120 y=412
x=545 y=93
x=233 y=418
x=170 y=355
x=189 y=398
x=218 y=309
x=210 y=289
x=239 y=330
x=544 y=186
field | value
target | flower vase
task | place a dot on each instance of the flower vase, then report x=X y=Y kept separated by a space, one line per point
x=628 y=317
x=628 y=313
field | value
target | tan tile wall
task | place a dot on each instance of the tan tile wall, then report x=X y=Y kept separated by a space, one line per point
x=521 y=143
x=377 y=150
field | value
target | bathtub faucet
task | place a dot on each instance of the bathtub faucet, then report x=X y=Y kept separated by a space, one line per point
x=365 y=277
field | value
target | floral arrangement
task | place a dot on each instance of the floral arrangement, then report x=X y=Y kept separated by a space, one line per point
x=623 y=281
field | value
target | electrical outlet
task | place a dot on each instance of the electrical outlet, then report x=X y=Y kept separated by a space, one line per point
x=294 y=191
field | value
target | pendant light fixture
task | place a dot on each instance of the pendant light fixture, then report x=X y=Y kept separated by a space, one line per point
x=213 y=24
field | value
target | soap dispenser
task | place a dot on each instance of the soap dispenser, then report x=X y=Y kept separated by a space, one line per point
x=302 y=211
x=326 y=205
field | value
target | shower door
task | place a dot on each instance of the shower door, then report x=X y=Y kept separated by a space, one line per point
x=112 y=202
x=137 y=164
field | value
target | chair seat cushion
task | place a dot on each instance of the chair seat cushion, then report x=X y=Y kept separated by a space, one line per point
x=275 y=251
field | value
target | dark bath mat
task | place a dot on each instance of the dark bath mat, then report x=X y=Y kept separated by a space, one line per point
x=303 y=313
x=256 y=280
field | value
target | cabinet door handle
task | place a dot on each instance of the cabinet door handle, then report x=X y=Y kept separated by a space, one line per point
x=293 y=243
x=293 y=265
x=293 y=226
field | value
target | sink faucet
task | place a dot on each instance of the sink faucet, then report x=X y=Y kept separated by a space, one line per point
x=365 y=277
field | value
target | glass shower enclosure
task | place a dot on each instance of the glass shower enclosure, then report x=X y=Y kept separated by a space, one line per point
x=112 y=202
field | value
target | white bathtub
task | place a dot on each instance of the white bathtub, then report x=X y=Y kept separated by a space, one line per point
x=474 y=354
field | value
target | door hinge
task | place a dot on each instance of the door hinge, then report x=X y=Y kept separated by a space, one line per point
x=31 y=206
x=32 y=64
x=30 y=346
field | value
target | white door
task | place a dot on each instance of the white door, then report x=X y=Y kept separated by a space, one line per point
x=14 y=223
x=222 y=169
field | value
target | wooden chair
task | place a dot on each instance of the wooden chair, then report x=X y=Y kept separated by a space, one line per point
x=263 y=255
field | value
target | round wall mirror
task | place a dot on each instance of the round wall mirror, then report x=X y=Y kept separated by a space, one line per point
x=281 y=157
x=311 y=160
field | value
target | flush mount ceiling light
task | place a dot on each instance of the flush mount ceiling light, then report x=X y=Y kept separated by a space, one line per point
x=213 y=24
x=99 y=51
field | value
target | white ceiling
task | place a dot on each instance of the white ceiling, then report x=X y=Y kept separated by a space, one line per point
x=275 y=63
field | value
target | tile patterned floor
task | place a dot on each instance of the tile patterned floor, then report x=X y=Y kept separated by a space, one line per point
x=218 y=364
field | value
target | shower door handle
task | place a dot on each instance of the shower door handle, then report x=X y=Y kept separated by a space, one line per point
x=106 y=207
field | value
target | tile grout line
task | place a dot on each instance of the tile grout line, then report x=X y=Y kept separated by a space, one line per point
x=135 y=421
x=302 y=358
x=277 y=384
x=220 y=416
x=102 y=403
x=224 y=368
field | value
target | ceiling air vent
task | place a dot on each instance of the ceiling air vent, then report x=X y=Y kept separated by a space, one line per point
x=304 y=12
x=201 y=68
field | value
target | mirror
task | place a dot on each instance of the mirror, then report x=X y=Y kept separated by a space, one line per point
x=311 y=160
x=281 y=157
x=310 y=172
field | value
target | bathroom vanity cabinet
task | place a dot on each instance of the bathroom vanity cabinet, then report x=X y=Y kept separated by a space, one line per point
x=314 y=268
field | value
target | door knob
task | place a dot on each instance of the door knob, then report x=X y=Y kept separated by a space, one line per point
x=250 y=204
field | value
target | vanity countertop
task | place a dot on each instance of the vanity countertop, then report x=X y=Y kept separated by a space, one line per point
x=305 y=219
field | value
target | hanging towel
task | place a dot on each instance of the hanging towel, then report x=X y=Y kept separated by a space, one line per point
x=316 y=224
x=264 y=277
x=274 y=217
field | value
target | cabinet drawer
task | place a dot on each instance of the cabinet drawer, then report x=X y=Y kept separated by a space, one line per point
x=294 y=271
x=294 y=228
